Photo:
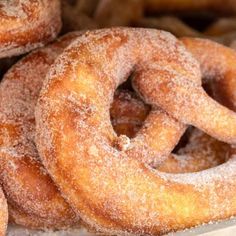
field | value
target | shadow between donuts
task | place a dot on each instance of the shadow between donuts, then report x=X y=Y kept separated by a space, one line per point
x=113 y=190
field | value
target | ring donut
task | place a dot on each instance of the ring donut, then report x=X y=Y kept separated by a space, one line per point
x=26 y=24
x=135 y=198
x=28 y=187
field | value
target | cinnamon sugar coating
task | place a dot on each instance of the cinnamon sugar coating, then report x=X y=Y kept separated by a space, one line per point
x=114 y=191
x=28 y=187
x=221 y=77
x=27 y=24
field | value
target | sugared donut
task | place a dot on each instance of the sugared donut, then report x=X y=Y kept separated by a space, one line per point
x=3 y=214
x=27 y=24
x=28 y=187
x=113 y=191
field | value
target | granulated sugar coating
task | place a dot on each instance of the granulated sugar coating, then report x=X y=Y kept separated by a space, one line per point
x=218 y=68
x=114 y=192
x=26 y=24
x=36 y=200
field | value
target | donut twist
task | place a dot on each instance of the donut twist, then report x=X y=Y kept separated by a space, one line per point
x=104 y=182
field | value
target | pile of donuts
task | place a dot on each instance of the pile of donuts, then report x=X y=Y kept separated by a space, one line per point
x=121 y=130
x=213 y=19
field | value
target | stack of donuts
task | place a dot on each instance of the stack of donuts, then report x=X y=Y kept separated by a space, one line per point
x=121 y=130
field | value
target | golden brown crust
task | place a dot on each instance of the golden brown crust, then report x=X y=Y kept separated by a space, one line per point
x=27 y=185
x=26 y=24
x=115 y=192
